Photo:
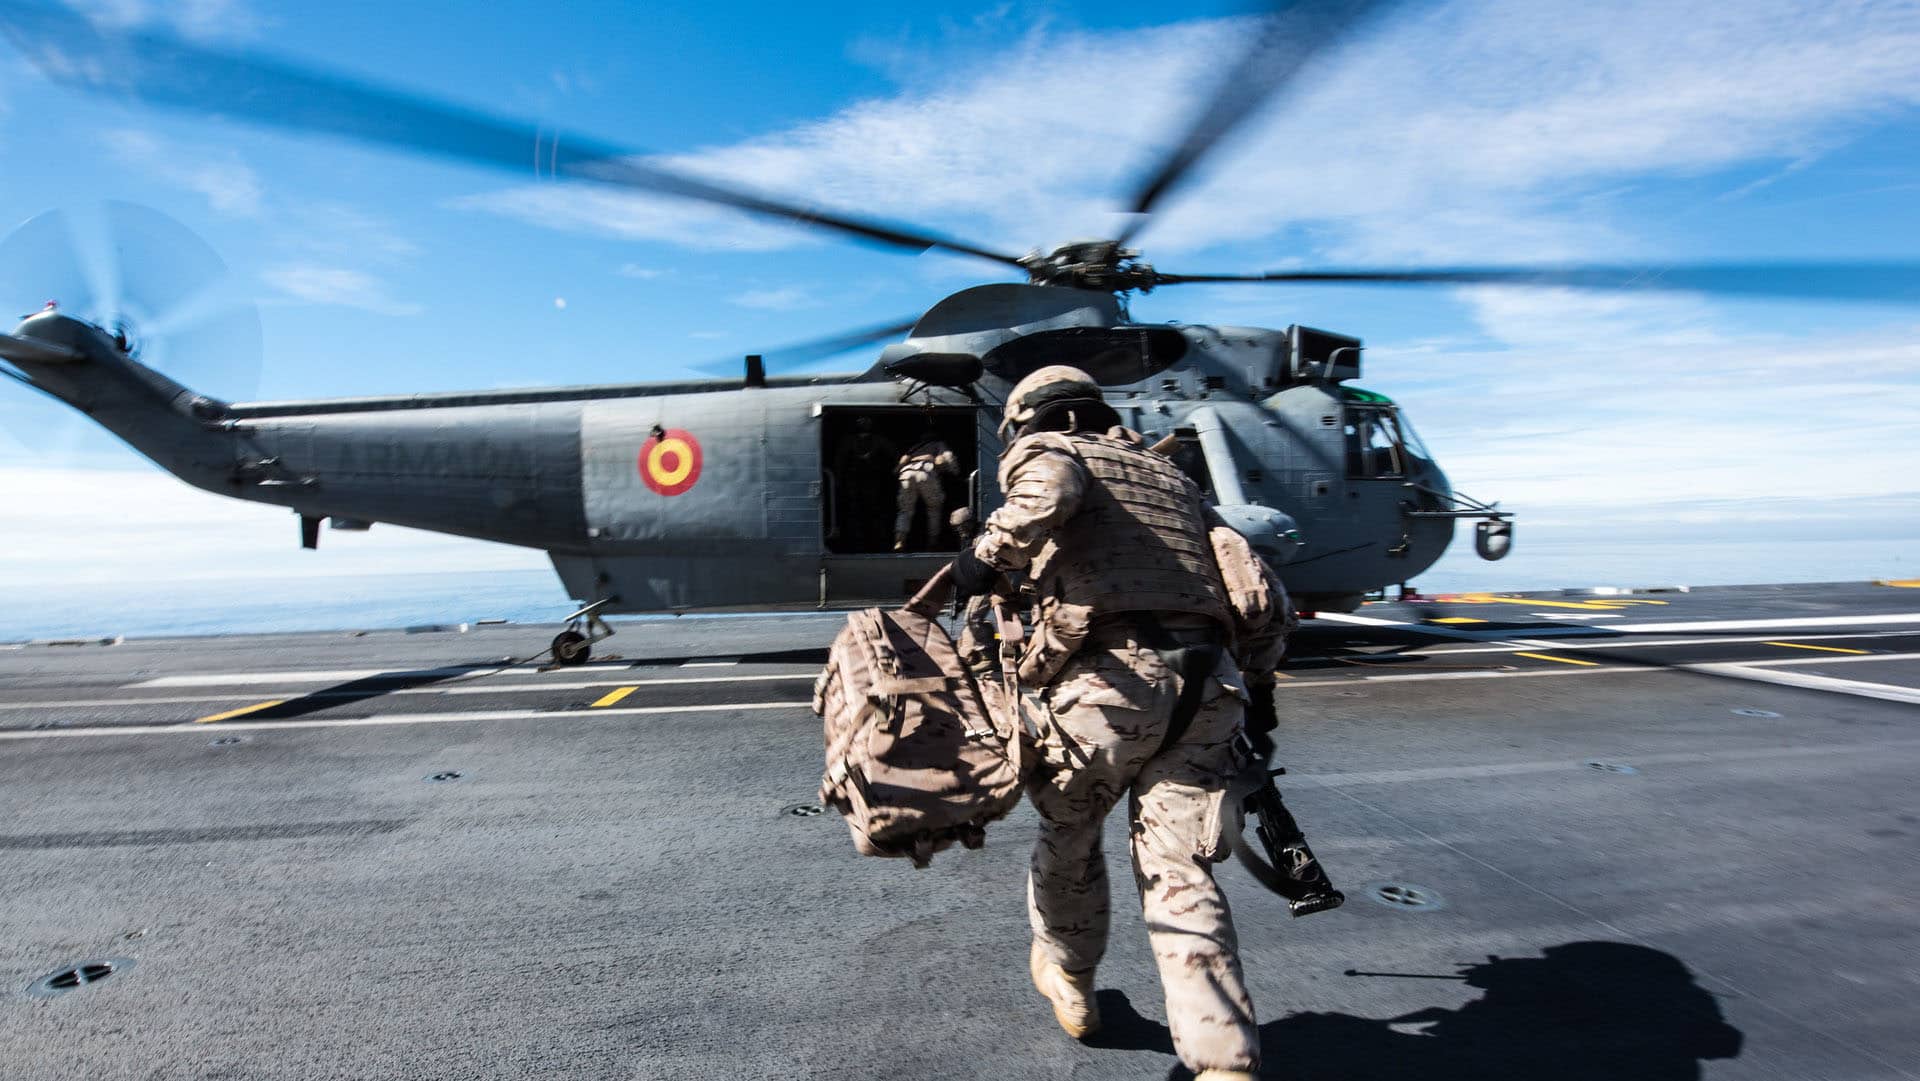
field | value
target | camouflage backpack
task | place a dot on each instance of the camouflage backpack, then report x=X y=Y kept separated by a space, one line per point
x=914 y=759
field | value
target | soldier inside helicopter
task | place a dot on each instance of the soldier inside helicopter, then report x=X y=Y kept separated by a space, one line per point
x=868 y=454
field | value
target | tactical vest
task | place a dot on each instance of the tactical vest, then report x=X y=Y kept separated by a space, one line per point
x=1138 y=542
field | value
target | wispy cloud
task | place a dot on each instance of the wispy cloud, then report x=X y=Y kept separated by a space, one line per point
x=335 y=230
x=70 y=525
x=193 y=18
x=315 y=284
x=1605 y=426
x=228 y=184
x=1475 y=128
x=786 y=298
x=641 y=273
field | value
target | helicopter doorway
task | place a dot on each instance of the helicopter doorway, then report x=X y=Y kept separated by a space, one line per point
x=893 y=479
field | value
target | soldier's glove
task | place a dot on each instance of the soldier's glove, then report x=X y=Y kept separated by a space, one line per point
x=1261 y=720
x=971 y=577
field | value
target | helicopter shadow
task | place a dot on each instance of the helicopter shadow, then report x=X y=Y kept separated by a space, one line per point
x=355 y=691
x=1583 y=1011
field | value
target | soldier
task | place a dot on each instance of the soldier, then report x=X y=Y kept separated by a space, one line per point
x=1141 y=702
x=921 y=486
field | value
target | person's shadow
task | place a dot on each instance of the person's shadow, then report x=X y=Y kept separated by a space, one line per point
x=1584 y=1011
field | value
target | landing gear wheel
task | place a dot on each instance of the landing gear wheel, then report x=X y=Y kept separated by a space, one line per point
x=571 y=648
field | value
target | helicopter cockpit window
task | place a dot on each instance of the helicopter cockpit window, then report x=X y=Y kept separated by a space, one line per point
x=1114 y=356
x=1375 y=444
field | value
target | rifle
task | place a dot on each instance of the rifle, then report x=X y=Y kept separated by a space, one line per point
x=1289 y=867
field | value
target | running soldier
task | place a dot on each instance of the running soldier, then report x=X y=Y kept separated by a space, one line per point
x=1141 y=700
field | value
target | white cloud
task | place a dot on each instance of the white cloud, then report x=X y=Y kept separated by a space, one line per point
x=71 y=525
x=641 y=273
x=228 y=184
x=1472 y=129
x=314 y=284
x=335 y=230
x=1604 y=426
x=783 y=299
x=205 y=19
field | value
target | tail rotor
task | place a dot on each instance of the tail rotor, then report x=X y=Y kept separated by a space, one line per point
x=144 y=279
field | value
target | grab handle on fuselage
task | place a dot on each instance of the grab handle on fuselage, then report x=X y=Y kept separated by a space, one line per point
x=1221 y=471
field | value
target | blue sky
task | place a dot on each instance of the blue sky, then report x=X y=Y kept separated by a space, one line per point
x=1486 y=131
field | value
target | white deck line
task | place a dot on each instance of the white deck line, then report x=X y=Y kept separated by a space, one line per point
x=491 y=688
x=387 y=719
x=1885 y=692
x=1880 y=620
x=1615 y=643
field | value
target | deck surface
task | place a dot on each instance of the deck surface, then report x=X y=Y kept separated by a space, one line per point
x=1719 y=784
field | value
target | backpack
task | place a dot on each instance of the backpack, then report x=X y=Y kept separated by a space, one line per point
x=915 y=761
x=1263 y=615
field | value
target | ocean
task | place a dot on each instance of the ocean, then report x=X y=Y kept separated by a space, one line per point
x=388 y=601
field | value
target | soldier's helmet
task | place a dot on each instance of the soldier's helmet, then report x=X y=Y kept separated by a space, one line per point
x=1053 y=385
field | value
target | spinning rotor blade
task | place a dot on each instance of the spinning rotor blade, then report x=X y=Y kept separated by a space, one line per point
x=799 y=353
x=130 y=268
x=1851 y=280
x=1285 y=41
x=40 y=263
x=166 y=71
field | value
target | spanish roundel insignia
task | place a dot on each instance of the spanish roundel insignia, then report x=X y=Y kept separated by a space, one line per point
x=670 y=461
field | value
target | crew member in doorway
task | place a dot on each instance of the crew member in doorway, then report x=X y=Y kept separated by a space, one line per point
x=923 y=489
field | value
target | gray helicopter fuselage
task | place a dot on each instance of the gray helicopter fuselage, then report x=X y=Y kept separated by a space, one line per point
x=752 y=500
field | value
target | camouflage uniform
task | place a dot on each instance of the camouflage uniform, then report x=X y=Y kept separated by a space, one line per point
x=921 y=487
x=1111 y=533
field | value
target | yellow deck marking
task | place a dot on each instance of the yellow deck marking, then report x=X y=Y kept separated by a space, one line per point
x=1605 y=604
x=1823 y=649
x=1900 y=583
x=1562 y=660
x=241 y=712
x=1456 y=619
x=613 y=696
x=1281 y=675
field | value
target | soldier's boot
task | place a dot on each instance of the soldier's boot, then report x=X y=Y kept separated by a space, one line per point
x=1071 y=995
x=1225 y=1075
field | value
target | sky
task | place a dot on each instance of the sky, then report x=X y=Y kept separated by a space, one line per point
x=1480 y=131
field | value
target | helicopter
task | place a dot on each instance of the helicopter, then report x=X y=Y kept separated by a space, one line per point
x=765 y=490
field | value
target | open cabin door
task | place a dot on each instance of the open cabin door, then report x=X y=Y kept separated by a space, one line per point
x=891 y=479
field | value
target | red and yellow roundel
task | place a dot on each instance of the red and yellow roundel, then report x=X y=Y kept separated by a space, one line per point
x=670 y=462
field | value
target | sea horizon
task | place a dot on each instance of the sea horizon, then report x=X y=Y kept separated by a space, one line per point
x=392 y=601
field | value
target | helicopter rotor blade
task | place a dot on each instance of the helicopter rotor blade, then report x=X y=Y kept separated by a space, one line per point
x=1834 y=280
x=161 y=70
x=799 y=353
x=1285 y=41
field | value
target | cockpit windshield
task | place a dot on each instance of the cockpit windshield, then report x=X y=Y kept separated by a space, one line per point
x=1380 y=442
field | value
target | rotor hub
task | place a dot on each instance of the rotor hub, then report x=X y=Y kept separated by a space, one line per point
x=1098 y=265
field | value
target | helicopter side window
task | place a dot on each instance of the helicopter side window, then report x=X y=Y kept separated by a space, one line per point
x=1375 y=447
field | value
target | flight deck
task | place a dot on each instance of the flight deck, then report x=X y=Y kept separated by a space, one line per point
x=1584 y=834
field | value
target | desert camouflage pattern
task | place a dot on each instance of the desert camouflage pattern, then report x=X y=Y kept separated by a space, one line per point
x=913 y=758
x=1263 y=615
x=921 y=489
x=1108 y=712
x=1100 y=521
x=1110 y=531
